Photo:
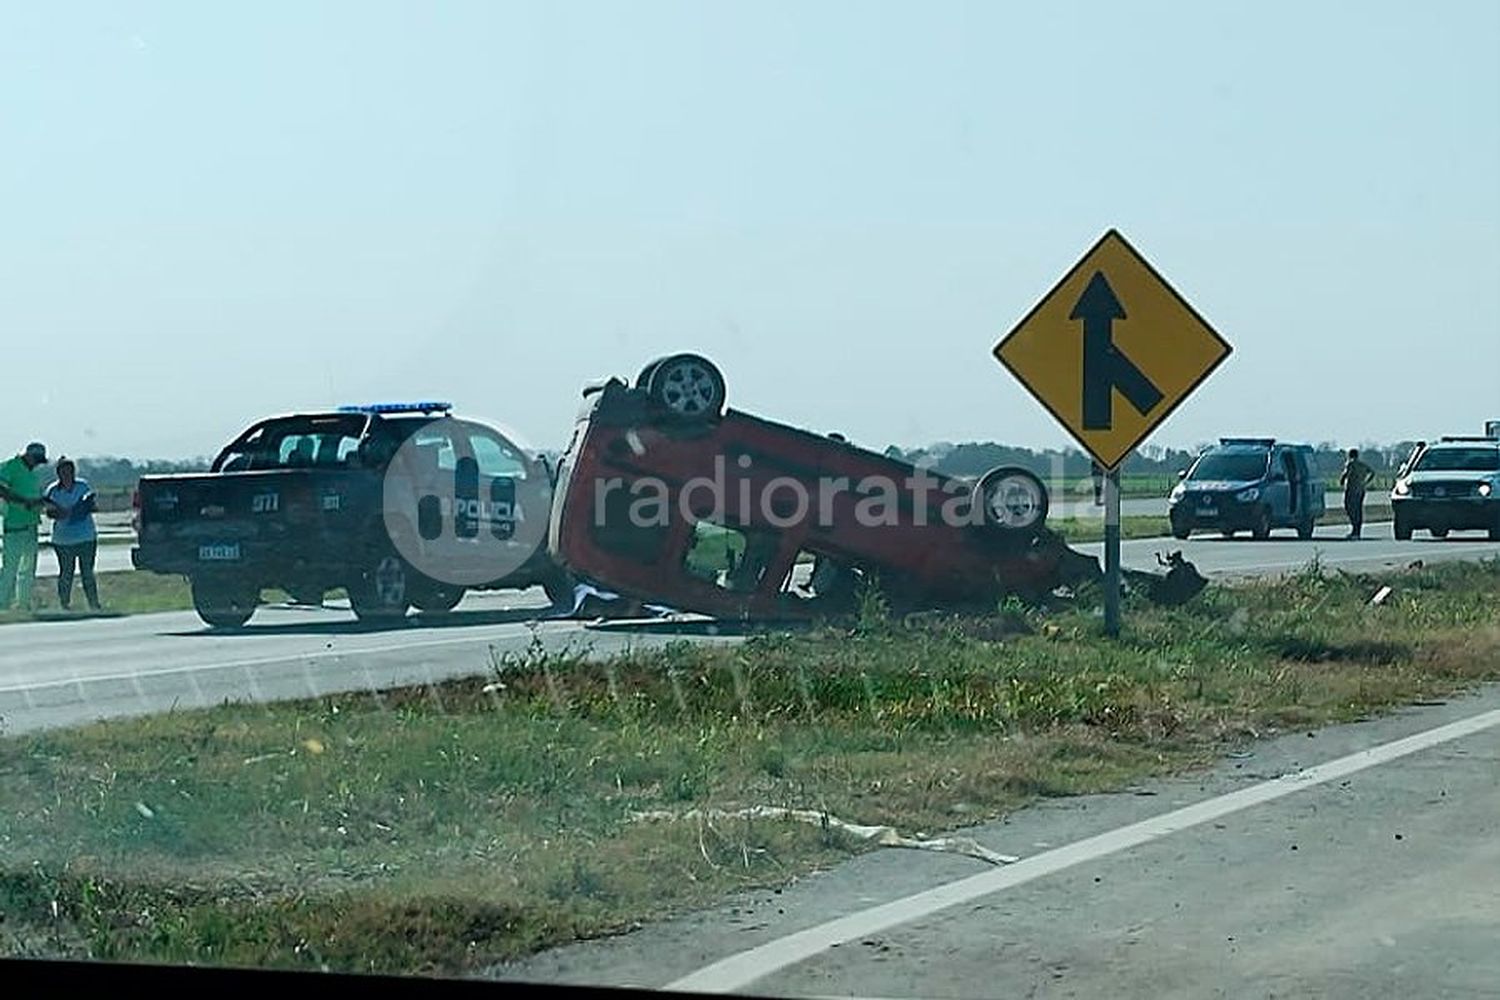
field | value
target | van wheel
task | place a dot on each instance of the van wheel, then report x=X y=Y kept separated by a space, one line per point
x=382 y=591
x=1012 y=499
x=1439 y=532
x=688 y=385
x=223 y=603
x=1262 y=529
x=1305 y=529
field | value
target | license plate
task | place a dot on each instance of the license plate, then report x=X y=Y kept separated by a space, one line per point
x=1207 y=511
x=218 y=553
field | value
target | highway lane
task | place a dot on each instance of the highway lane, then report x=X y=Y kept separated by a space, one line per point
x=65 y=672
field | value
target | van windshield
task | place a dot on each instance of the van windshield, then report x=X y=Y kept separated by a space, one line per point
x=1228 y=466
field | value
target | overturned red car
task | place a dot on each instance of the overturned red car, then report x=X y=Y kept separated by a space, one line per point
x=665 y=496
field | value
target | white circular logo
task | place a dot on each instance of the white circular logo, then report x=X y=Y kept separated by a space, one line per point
x=463 y=504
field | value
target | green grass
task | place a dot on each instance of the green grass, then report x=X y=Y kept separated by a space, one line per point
x=445 y=828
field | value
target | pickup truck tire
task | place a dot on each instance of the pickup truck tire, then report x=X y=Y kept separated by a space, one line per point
x=1439 y=532
x=1305 y=528
x=1181 y=532
x=223 y=603
x=1402 y=529
x=1262 y=529
x=382 y=591
x=435 y=598
x=1011 y=499
x=1495 y=529
x=688 y=385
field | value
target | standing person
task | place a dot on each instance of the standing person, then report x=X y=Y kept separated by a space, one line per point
x=1354 y=479
x=75 y=538
x=23 y=513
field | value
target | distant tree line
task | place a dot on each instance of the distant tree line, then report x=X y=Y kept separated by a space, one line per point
x=109 y=472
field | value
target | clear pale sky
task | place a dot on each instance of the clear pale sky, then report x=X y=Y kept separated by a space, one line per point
x=214 y=212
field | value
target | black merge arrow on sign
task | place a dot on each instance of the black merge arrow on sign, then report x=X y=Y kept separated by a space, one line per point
x=1104 y=367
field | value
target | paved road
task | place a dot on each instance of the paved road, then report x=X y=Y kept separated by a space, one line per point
x=1377 y=882
x=1141 y=506
x=64 y=672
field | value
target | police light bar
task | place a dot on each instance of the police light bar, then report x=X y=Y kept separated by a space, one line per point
x=1260 y=442
x=397 y=408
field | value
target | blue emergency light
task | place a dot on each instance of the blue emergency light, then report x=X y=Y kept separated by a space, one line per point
x=397 y=408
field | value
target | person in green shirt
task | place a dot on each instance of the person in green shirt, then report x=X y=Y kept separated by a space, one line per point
x=22 y=494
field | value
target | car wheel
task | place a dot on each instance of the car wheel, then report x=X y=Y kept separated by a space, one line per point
x=1011 y=499
x=1262 y=529
x=688 y=385
x=1305 y=529
x=223 y=603
x=1439 y=532
x=382 y=591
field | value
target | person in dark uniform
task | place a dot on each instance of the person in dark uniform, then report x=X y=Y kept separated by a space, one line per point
x=1354 y=479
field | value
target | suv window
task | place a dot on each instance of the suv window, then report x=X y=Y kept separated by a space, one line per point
x=1230 y=466
x=1460 y=460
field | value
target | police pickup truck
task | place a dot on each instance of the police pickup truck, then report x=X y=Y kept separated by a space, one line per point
x=310 y=502
x=1452 y=484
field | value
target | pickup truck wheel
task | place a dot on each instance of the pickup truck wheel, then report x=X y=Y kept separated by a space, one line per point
x=1181 y=532
x=1495 y=529
x=1439 y=532
x=1402 y=528
x=1012 y=499
x=1262 y=529
x=688 y=385
x=381 y=592
x=1305 y=529
x=436 y=599
x=223 y=604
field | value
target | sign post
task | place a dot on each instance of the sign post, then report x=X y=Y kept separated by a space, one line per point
x=1110 y=352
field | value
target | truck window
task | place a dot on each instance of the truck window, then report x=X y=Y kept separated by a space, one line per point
x=495 y=458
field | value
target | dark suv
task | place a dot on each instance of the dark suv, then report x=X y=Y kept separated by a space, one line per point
x=1248 y=484
x=1452 y=484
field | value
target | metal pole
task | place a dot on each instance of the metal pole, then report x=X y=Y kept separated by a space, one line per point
x=1112 y=553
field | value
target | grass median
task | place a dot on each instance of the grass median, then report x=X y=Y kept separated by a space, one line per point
x=441 y=829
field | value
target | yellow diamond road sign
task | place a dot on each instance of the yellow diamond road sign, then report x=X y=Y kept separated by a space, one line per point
x=1112 y=350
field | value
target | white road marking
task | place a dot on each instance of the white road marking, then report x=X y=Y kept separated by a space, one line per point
x=739 y=971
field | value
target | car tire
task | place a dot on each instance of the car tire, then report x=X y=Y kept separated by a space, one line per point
x=1402 y=530
x=1439 y=532
x=1305 y=529
x=643 y=380
x=382 y=590
x=1262 y=529
x=1012 y=499
x=688 y=385
x=222 y=603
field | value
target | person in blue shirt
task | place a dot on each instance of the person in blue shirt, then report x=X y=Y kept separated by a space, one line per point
x=75 y=538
